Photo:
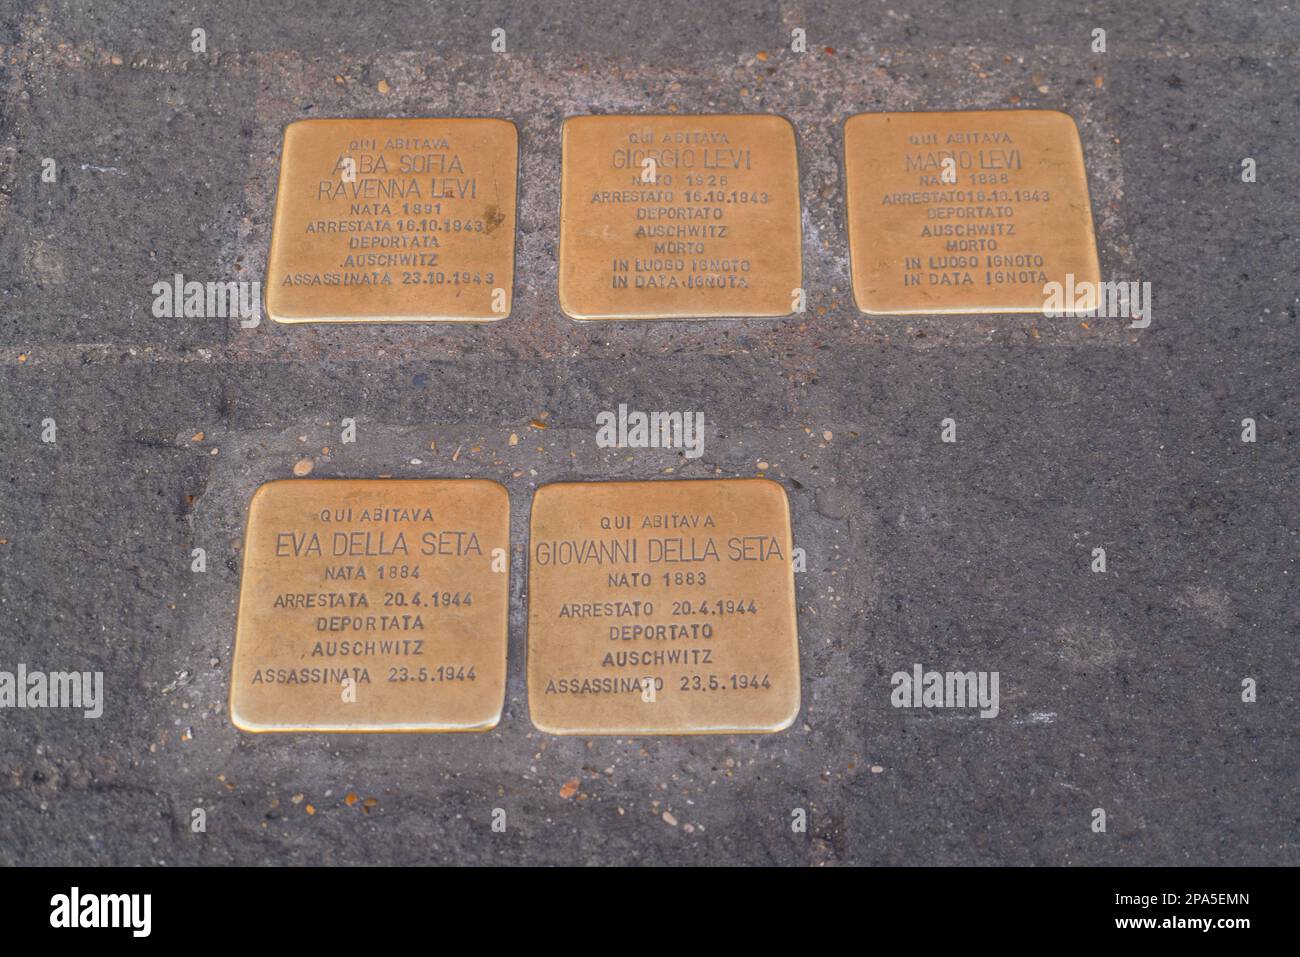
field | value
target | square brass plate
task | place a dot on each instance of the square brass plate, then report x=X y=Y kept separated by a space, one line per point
x=716 y=234
x=394 y=221
x=397 y=589
x=662 y=608
x=1016 y=218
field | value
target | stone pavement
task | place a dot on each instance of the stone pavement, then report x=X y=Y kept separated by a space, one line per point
x=1121 y=691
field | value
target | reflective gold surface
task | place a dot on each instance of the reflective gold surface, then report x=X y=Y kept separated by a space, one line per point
x=1016 y=218
x=711 y=229
x=683 y=587
x=394 y=221
x=400 y=587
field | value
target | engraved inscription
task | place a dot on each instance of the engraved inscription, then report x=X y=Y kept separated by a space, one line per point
x=679 y=216
x=372 y=605
x=662 y=607
x=394 y=219
x=965 y=212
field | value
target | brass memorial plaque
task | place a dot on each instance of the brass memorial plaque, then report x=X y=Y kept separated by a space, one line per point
x=394 y=221
x=662 y=608
x=373 y=605
x=969 y=212
x=679 y=217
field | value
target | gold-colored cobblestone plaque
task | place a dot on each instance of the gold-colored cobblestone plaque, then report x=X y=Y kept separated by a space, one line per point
x=373 y=605
x=662 y=608
x=679 y=217
x=970 y=212
x=383 y=220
